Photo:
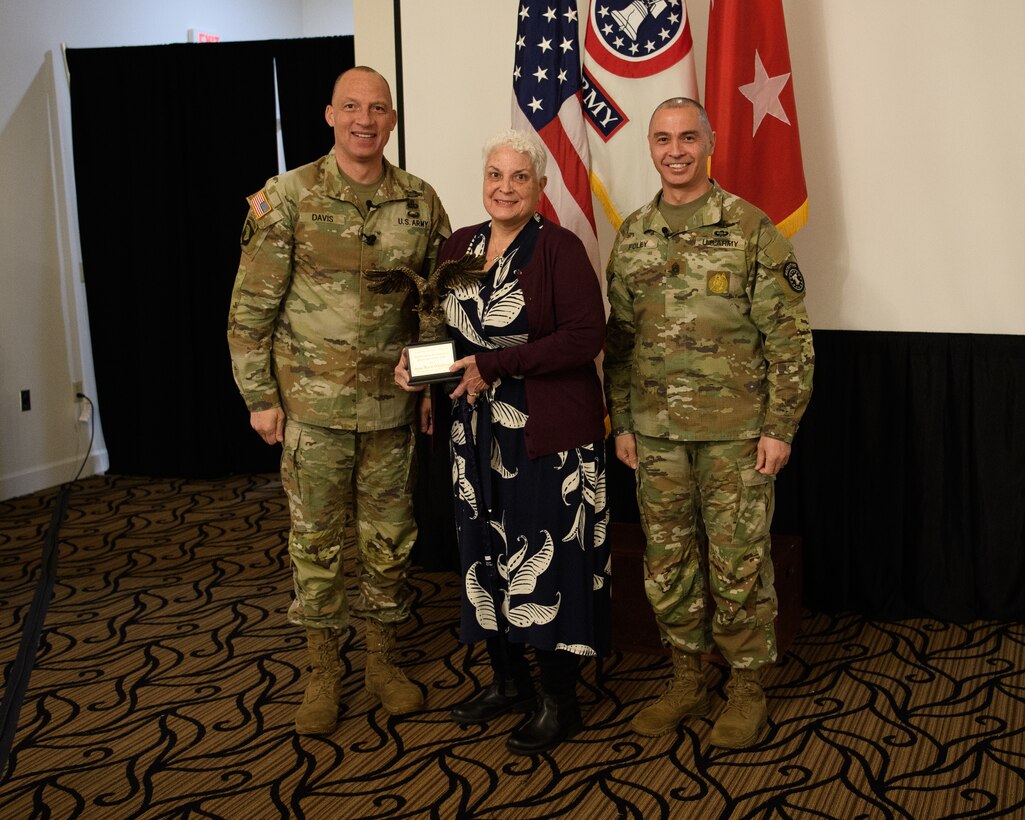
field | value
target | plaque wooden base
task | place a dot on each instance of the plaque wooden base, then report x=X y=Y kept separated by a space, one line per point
x=633 y=624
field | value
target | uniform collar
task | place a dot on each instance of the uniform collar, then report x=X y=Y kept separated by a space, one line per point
x=710 y=214
x=335 y=186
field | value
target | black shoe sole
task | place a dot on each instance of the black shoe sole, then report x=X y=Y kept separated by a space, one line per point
x=521 y=707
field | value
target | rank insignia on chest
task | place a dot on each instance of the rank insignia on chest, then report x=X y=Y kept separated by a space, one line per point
x=718 y=282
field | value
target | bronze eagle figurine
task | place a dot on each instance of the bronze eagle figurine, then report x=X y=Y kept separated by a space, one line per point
x=454 y=273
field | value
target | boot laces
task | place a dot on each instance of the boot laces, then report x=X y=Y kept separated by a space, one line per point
x=741 y=693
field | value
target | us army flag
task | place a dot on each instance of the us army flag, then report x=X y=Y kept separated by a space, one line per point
x=546 y=82
x=749 y=94
x=637 y=54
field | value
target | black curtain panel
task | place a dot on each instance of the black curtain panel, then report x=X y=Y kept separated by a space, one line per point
x=168 y=142
x=907 y=478
x=306 y=72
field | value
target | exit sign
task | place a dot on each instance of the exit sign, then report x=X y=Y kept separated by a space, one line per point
x=197 y=36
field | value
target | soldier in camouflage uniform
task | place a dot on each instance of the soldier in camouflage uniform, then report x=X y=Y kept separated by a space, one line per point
x=708 y=370
x=313 y=353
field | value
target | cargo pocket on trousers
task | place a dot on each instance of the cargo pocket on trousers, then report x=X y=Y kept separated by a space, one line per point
x=754 y=510
x=290 y=472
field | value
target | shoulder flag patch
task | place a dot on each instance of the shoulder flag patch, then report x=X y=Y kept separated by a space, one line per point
x=258 y=204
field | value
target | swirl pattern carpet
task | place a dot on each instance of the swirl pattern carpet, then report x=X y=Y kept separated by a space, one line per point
x=167 y=678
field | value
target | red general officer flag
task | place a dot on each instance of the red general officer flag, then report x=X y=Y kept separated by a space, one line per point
x=749 y=95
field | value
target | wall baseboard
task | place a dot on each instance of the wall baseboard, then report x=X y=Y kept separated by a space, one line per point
x=51 y=475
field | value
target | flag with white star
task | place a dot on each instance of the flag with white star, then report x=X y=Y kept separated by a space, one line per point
x=749 y=94
x=546 y=99
x=637 y=54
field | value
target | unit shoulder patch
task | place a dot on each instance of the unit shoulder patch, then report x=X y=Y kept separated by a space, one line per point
x=792 y=273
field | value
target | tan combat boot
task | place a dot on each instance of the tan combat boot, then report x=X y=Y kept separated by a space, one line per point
x=318 y=713
x=743 y=720
x=384 y=680
x=686 y=695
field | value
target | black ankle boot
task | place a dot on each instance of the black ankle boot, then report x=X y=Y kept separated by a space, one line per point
x=556 y=719
x=497 y=699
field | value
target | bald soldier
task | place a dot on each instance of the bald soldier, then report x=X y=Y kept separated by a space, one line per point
x=708 y=370
x=313 y=352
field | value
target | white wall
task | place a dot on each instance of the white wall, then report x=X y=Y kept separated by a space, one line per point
x=911 y=121
x=44 y=343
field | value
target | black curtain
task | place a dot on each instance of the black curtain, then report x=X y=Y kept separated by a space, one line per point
x=907 y=478
x=168 y=141
x=306 y=77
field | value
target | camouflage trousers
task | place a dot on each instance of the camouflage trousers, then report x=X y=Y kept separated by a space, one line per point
x=331 y=477
x=694 y=494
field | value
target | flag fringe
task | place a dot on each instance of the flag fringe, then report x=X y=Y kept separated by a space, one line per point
x=793 y=223
x=602 y=195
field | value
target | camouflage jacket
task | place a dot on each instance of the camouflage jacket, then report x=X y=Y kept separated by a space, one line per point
x=304 y=331
x=708 y=338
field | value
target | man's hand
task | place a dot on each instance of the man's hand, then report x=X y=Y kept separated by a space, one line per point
x=626 y=449
x=773 y=455
x=426 y=415
x=270 y=424
x=402 y=375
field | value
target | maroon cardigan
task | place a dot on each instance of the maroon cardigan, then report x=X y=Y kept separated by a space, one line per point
x=566 y=330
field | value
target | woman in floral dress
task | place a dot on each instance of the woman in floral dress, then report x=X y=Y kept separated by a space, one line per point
x=528 y=457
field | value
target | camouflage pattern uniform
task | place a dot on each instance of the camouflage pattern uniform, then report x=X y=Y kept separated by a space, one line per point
x=305 y=334
x=708 y=349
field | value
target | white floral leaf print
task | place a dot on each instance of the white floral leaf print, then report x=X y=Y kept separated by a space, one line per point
x=562 y=459
x=600 y=527
x=524 y=578
x=569 y=484
x=508 y=416
x=458 y=433
x=462 y=483
x=499 y=527
x=503 y=570
x=590 y=471
x=456 y=317
x=481 y=600
x=576 y=532
x=530 y=614
x=504 y=285
x=598 y=582
x=587 y=491
x=510 y=341
x=517 y=557
x=496 y=461
x=575 y=648
x=599 y=492
x=502 y=312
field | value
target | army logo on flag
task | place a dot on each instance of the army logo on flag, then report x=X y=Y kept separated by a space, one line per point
x=636 y=54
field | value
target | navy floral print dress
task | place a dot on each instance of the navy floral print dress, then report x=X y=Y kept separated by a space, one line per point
x=534 y=557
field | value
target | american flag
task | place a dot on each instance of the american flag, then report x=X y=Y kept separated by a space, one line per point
x=258 y=204
x=546 y=99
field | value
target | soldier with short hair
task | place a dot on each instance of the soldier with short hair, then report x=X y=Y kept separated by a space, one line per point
x=708 y=369
x=313 y=352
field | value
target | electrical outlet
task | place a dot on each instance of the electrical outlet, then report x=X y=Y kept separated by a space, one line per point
x=26 y=400
x=76 y=388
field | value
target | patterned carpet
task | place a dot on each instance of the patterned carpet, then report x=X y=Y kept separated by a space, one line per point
x=167 y=678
